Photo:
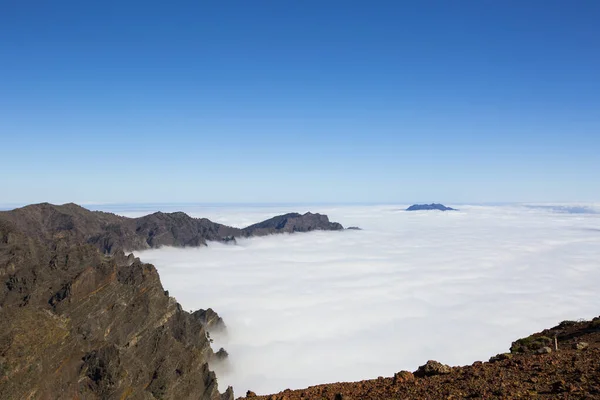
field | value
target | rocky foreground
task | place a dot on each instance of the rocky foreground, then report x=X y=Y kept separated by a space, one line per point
x=81 y=319
x=533 y=369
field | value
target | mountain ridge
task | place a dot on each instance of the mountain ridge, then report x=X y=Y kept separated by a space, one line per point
x=111 y=232
x=81 y=318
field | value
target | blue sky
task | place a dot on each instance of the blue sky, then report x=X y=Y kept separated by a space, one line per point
x=299 y=101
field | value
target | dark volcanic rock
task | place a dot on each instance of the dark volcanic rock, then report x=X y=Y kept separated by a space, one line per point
x=432 y=368
x=432 y=206
x=81 y=319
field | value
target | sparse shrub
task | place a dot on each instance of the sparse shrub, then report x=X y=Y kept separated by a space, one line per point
x=3 y=369
x=501 y=357
x=566 y=323
x=530 y=343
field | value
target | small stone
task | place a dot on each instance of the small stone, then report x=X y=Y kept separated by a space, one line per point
x=581 y=346
x=544 y=350
x=250 y=393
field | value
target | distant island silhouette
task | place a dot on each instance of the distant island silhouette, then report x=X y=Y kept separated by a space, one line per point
x=432 y=206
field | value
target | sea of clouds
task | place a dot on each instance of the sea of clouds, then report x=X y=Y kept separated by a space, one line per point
x=310 y=308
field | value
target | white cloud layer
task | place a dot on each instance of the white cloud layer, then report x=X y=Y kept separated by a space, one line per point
x=320 y=307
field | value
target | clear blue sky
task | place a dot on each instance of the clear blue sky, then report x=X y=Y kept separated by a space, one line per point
x=299 y=101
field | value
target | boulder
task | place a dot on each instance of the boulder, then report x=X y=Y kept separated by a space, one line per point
x=432 y=368
x=544 y=350
x=581 y=346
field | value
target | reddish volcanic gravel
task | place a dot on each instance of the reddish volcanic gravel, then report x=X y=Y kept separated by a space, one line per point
x=528 y=372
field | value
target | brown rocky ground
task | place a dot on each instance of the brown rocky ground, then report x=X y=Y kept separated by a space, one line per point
x=532 y=370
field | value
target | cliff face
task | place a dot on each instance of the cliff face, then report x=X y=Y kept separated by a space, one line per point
x=78 y=324
x=80 y=319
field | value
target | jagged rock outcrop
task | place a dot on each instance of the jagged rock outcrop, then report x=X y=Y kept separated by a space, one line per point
x=79 y=318
x=221 y=354
x=210 y=320
x=432 y=368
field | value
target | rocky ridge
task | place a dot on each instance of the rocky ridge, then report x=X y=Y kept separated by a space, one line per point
x=82 y=319
x=110 y=233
